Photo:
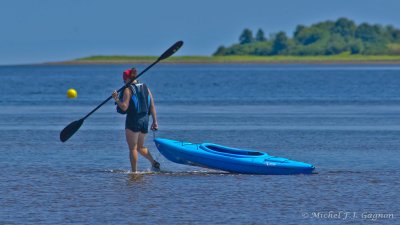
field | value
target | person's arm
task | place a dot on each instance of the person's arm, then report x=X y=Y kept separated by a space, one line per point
x=124 y=104
x=153 y=112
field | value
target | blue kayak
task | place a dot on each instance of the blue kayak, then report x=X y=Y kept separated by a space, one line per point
x=234 y=160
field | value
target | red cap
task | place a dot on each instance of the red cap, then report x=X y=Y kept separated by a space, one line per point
x=127 y=73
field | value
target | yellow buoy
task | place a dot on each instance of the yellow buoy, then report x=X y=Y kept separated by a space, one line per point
x=71 y=93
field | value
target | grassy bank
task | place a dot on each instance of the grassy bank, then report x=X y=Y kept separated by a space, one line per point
x=351 y=59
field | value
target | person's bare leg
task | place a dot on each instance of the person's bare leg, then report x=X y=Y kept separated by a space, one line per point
x=132 y=140
x=143 y=150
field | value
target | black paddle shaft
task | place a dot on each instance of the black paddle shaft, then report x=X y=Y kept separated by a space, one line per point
x=71 y=128
x=174 y=48
x=122 y=88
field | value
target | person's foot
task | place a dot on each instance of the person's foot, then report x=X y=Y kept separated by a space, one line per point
x=156 y=165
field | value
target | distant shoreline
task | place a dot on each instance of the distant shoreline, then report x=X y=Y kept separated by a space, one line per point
x=335 y=59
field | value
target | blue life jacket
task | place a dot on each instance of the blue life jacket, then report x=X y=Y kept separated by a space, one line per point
x=140 y=101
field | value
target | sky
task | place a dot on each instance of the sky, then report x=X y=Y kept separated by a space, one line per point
x=34 y=31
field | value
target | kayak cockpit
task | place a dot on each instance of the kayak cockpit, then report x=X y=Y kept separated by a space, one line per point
x=219 y=149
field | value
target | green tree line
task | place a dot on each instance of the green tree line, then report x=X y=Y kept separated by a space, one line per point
x=324 y=38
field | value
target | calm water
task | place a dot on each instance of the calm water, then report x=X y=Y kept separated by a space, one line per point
x=343 y=119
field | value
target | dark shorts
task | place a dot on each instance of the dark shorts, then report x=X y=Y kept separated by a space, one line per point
x=138 y=124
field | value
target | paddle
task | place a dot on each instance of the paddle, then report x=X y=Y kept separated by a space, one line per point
x=70 y=130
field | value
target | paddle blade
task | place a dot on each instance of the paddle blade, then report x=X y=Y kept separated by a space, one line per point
x=70 y=130
x=174 y=48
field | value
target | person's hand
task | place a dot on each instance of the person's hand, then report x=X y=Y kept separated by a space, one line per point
x=154 y=126
x=115 y=95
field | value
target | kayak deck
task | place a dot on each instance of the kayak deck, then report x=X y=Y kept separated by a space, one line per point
x=229 y=159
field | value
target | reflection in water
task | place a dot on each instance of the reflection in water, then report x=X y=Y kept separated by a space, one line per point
x=134 y=178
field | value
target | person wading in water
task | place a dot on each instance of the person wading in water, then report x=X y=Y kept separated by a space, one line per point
x=136 y=101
